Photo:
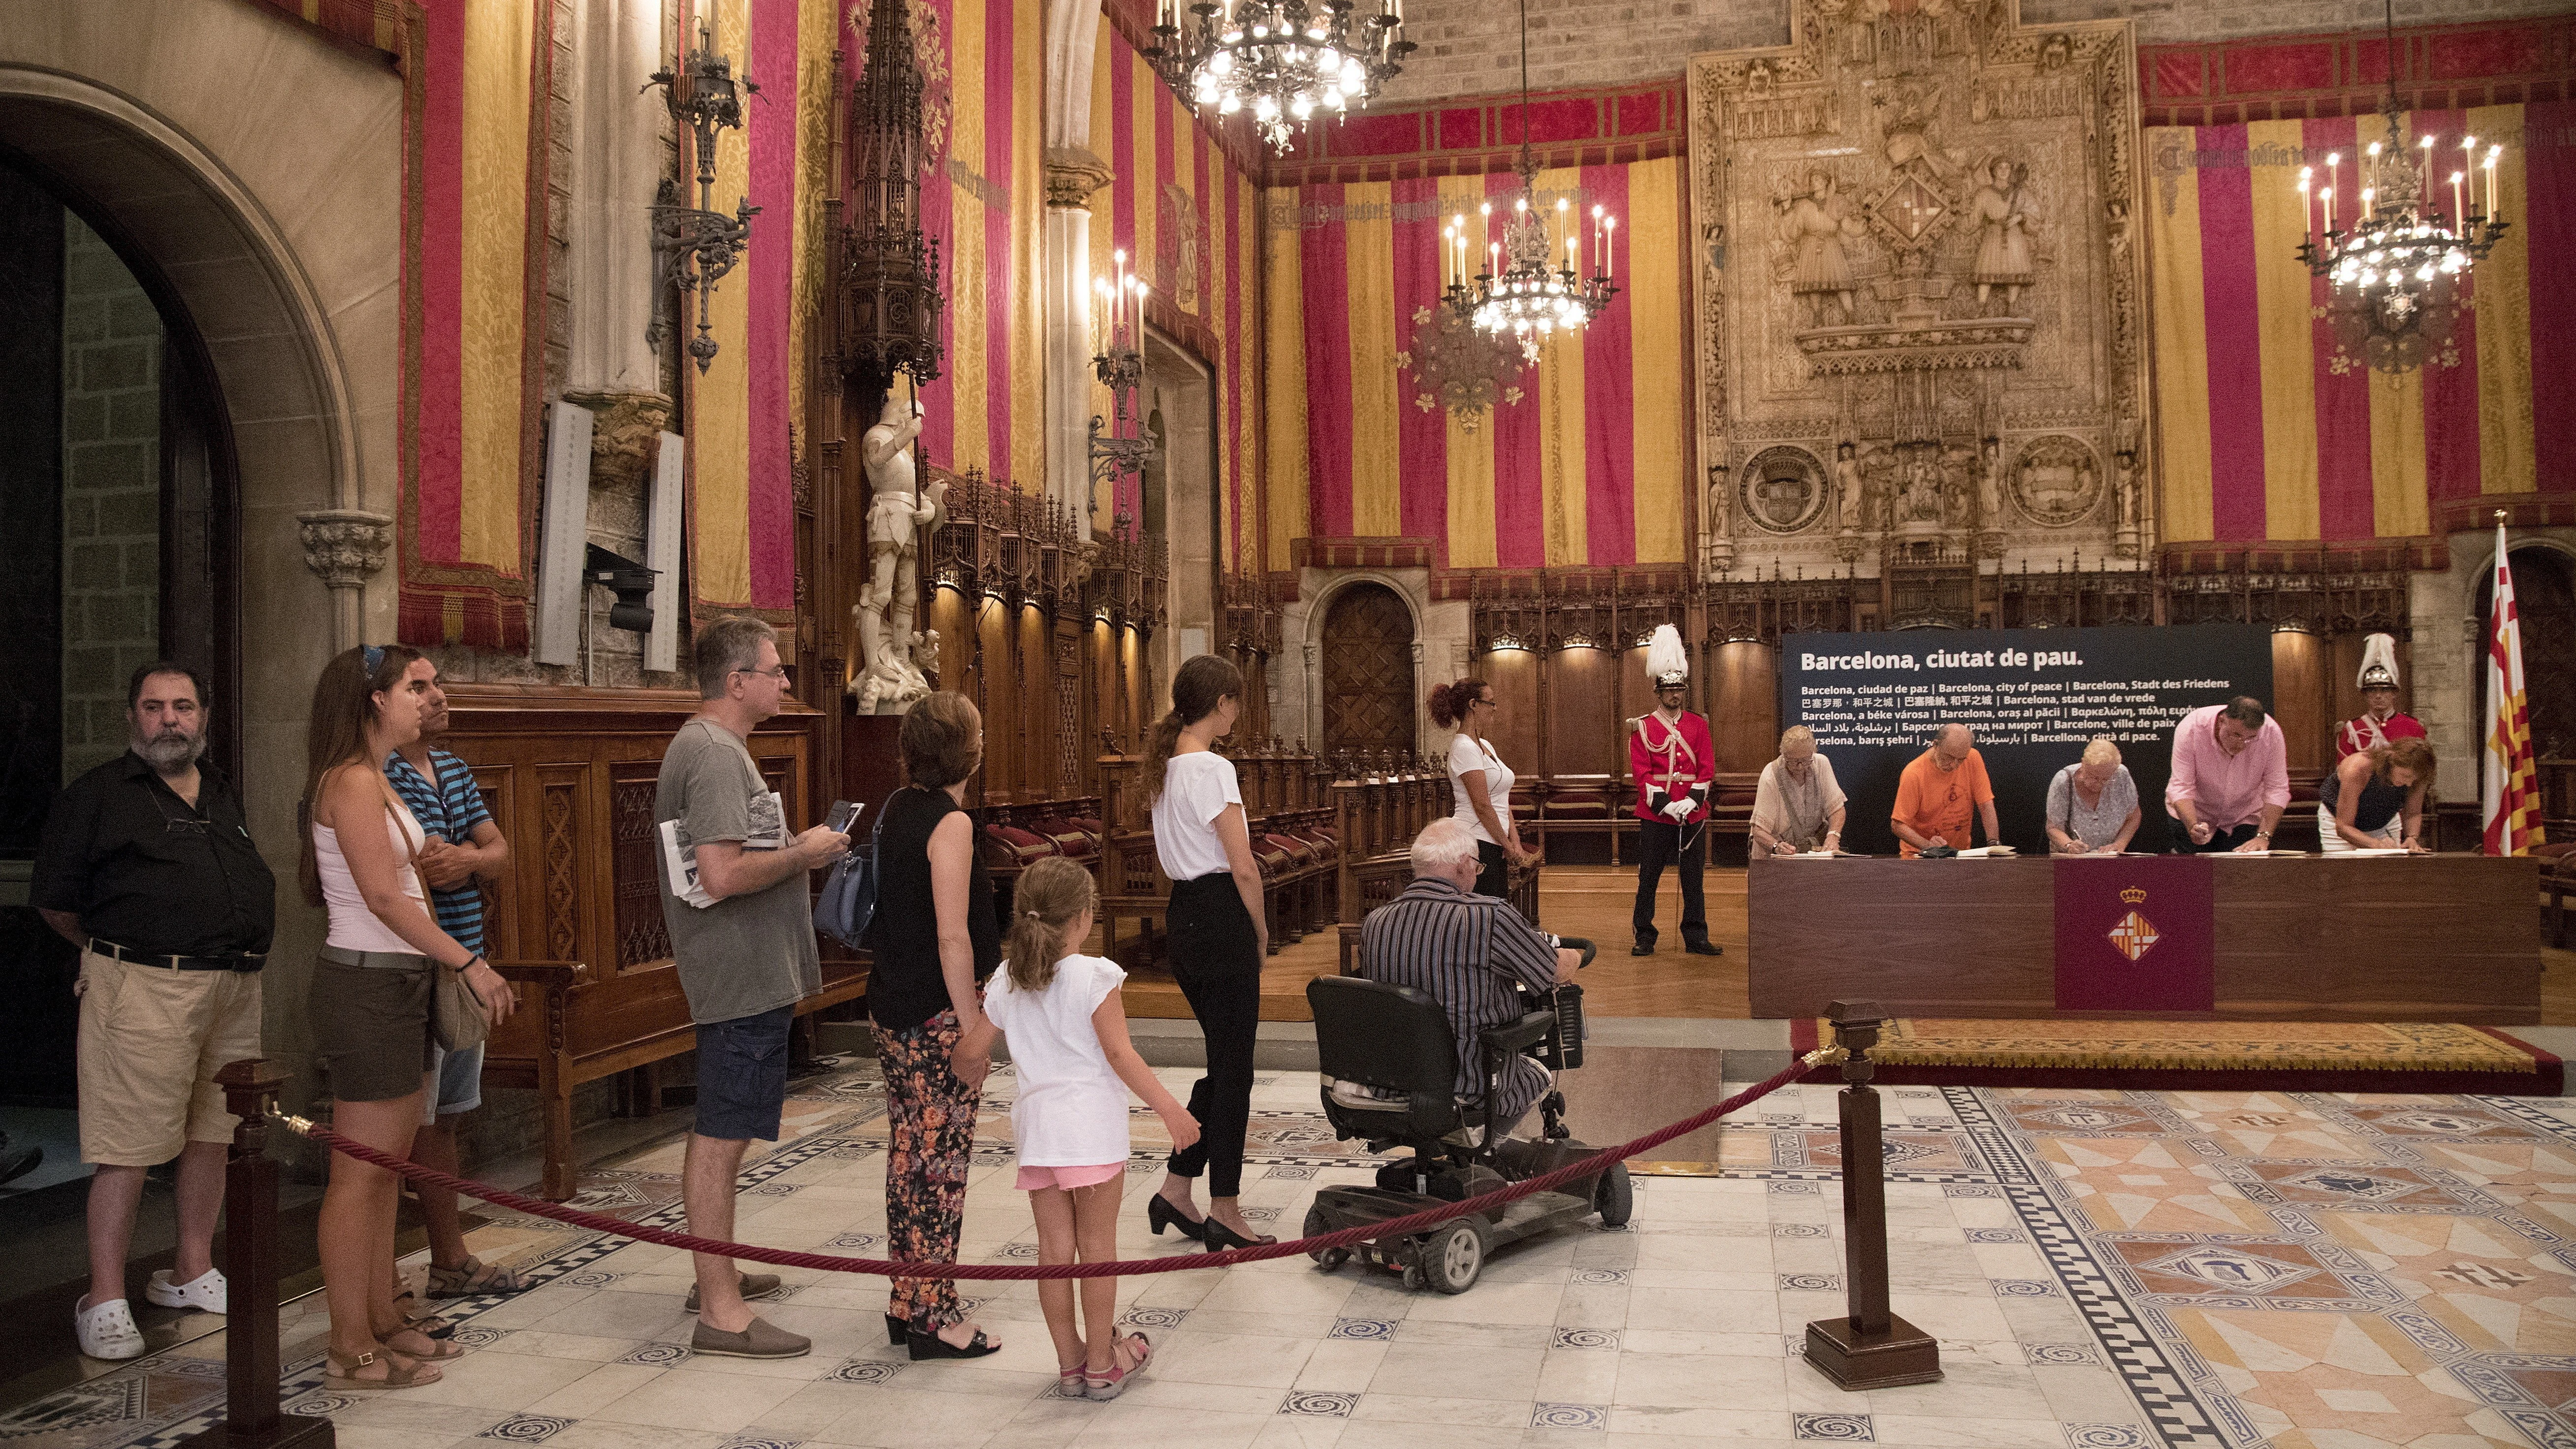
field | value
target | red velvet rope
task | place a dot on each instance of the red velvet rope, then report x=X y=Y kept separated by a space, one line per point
x=1428 y=1218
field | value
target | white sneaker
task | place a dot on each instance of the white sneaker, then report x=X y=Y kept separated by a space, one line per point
x=206 y=1294
x=107 y=1331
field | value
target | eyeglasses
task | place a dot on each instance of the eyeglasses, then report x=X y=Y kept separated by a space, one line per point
x=779 y=673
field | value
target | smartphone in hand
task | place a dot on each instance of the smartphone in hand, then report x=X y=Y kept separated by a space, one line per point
x=842 y=815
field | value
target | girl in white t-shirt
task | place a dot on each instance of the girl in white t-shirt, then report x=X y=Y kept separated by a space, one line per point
x=1479 y=781
x=1067 y=1030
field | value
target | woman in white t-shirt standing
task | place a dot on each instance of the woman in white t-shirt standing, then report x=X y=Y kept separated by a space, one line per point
x=1479 y=781
x=1069 y=1049
x=1218 y=940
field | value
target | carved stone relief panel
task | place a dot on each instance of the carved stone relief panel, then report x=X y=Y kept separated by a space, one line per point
x=1915 y=219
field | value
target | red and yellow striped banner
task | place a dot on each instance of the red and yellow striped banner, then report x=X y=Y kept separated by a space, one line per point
x=2266 y=431
x=474 y=313
x=1585 y=468
x=1188 y=219
x=984 y=202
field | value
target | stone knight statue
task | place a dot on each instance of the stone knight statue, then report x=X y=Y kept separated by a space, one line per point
x=901 y=516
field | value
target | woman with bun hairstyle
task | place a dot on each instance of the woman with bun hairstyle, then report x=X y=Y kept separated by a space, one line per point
x=1479 y=781
x=369 y=1007
x=1218 y=940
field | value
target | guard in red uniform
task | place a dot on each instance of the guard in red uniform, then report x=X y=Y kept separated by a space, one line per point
x=2379 y=723
x=1675 y=766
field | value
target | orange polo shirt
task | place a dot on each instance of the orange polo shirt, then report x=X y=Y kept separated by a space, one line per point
x=1934 y=802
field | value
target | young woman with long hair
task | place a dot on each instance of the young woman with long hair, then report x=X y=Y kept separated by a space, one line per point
x=1217 y=940
x=369 y=1009
x=1479 y=781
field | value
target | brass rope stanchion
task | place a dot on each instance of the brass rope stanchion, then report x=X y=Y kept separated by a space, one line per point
x=252 y=1417
x=1870 y=1347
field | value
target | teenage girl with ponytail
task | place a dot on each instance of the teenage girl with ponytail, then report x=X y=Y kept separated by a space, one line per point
x=1218 y=940
x=1067 y=1029
x=1479 y=781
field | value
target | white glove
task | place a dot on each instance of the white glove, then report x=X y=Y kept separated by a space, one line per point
x=1679 y=809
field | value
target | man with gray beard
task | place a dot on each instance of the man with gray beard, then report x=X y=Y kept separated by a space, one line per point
x=146 y=865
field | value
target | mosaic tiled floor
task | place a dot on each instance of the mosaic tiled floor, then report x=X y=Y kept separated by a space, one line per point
x=2103 y=1269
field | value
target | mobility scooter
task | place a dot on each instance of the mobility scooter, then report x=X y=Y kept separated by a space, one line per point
x=1390 y=1064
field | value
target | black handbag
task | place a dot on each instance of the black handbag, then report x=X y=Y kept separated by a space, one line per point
x=849 y=898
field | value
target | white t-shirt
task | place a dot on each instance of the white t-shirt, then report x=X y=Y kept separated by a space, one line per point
x=1071 y=1110
x=1196 y=789
x=1464 y=755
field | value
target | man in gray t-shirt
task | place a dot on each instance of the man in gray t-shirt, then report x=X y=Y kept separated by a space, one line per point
x=744 y=961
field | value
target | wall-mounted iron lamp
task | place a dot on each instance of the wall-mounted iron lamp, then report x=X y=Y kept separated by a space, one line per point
x=695 y=246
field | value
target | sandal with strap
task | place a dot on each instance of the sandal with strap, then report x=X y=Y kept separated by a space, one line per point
x=1103 y=1387
x=399 y=1373
x=474 y=1278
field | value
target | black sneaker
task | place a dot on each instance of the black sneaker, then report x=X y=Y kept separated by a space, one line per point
x=1703 y=948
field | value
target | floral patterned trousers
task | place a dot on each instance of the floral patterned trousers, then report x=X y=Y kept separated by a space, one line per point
x=930 y=1118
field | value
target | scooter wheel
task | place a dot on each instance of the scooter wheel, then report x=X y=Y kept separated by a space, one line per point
x=1413 y=1279
x=1452 y=1257
x=1614 y=1197
x=1316 y=1226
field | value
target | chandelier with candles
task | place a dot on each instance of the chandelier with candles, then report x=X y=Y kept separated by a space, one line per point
x=2394 y=276
x=1522 y=291
x=1282 y=60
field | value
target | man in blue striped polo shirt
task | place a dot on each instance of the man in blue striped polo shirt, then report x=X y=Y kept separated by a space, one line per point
x=464 y=847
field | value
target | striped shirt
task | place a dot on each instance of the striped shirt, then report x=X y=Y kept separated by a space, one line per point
x=1465 y=951
x=449 y=810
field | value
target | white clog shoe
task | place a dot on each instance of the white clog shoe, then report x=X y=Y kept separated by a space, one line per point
x=107 y=1330
x=206 y=1293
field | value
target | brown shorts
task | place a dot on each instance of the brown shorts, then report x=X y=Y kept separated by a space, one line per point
x=370 y=1029
x=151 y=1041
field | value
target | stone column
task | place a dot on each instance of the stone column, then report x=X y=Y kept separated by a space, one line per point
x=1072 y=175
x=344 y=547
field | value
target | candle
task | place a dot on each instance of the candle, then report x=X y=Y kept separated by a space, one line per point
x=2459 y=218
x=2307 y=203
x=2494 y=208
x=1609 y=257
x=2328 y=196
x=1141 y=290
x=2469 y=158
x=1493 y=259
x=1573 y=256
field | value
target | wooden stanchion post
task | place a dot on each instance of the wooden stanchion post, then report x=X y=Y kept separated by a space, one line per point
x=252 y=1417
x=1870 y=1347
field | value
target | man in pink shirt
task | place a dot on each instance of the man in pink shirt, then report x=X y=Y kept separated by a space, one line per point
x=2231 y=778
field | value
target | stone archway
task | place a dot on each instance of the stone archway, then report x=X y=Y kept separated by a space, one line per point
x=248 y=173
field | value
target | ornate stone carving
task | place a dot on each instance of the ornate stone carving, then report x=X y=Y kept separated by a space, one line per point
x=1960 y=266
x=345 y=546
x=2056 y=482
x=1784 y=490
x=896 y=661
x=1073 y=174
x=625 y=430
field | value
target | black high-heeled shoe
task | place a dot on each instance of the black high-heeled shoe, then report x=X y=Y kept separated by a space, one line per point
x=1160 y=1214
x=931 y=1345
x=898 y=1332
x=1219 y=1237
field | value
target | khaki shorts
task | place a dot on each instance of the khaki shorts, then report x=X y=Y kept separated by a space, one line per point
x=151 y=1041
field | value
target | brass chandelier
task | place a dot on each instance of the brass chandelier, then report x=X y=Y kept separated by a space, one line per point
x=2394 y=276
x=1282 y=60
x=1523 y=292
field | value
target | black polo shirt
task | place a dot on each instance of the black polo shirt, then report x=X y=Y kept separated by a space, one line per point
x=123 y=852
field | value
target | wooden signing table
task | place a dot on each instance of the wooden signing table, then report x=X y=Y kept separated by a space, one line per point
x=2448 y=938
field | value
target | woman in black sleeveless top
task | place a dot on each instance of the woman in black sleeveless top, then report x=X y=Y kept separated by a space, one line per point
x=2374 y=800
x=934 y=941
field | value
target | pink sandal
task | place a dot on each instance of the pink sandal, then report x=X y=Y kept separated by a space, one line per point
x=1101 y=1388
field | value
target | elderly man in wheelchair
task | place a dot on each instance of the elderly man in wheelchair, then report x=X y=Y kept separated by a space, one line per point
x=1442 y=1045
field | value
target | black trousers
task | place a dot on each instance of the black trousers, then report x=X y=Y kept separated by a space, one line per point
x=1659 y=844
x=1216 y=957
x=2220 y=841
x=1495 y=874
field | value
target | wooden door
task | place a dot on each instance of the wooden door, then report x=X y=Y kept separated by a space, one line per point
x=1368 y=672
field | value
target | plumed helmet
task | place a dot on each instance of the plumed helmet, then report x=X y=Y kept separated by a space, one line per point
x=2378 y=663
x=1666 y=660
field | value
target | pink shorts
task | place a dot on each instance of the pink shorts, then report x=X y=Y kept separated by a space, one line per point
x=1032 y=1179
